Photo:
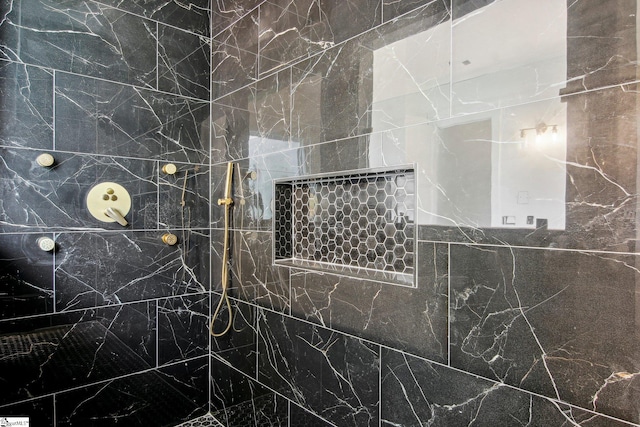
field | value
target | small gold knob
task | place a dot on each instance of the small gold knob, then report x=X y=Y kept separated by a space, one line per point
x=45 y=160
x=169 y=169
x=170 y=239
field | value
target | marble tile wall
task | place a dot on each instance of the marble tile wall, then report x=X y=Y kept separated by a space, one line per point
x=531 y=322
x=110 y=328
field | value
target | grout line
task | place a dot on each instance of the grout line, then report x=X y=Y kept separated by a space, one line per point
x=53 y=278
x=157 y=56
x=53 y=112
x=448 y=304
x=105 y=381
x=110 y=156
x=55 y=415
x=157 y=334
x=380 y=386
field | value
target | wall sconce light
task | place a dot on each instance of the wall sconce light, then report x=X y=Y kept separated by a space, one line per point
x=541 y=128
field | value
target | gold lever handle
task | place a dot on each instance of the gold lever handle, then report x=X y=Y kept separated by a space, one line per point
x=116 y=215
x=225 y=201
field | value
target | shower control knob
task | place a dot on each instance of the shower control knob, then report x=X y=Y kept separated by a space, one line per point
x=170 y=239
x=46 y=244
x=169 y=169
x=45 y=160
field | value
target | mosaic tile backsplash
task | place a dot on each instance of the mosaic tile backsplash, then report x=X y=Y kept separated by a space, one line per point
x=362 y=221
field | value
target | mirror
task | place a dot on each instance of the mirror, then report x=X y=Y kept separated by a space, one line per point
x=487 y=154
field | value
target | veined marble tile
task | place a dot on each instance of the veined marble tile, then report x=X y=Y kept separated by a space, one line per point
x=392 y=9
x=416 y=392
x=183 y=63
x=255 y=278
x=226 y=12
x=98 y=117
x=55 y=198
x=81 y=37
x=237 y=347
x=234 y=53
x=413 y=320
x=330 y=374
x=237 y=399
x=26 y=276
x=191 y=15
x=252 y=121
x=290 y=30
x=190 y=379
x=94 y=269
x=182 y=328
x=184 y=197
x=558 y=323
x=148 y=398
x=26 y=106
x=44 y=355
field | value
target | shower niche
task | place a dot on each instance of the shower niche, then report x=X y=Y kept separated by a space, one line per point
x=356 y=224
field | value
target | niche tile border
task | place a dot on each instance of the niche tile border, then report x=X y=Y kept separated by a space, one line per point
x=357 y=223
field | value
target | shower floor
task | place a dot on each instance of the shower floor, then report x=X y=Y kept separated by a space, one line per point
x=203 y=421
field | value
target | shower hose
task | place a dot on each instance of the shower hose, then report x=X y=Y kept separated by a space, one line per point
x=224 y=300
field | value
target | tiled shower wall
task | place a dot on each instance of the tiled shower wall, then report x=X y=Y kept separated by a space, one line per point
x=512 y=324
x=111 y=326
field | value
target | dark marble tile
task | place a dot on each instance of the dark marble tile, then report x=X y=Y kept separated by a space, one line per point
x=56 y=197
x=392 y=9
x=26 y=276
x=601 y=45
x=330 y=374
x=39 y=411
x=235 y=56
x=192 y=15
x=190 y=378
x=558 y=323
x=237 y=347
x=43 y=355
x=231 y=127
x=375 y=81
x=254 y=120
x=253 y=198
x=255 y=278
x=331 y=94
x=183 y=63
x=146 y=399
x=298 y=417
x=184 y=197
x=94 y=269
x=26 y=106
x=81 y=37
x=464 y=7
x=98 y=117
x=238 y=400
x=226 y=12
x=290 y=30
x=416 y=392
x=182 y=326
x=409 y=319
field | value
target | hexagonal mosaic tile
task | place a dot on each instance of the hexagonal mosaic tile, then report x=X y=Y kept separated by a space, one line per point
x=364 y=221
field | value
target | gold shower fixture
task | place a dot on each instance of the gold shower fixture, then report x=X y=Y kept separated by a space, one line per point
x=226 y=201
